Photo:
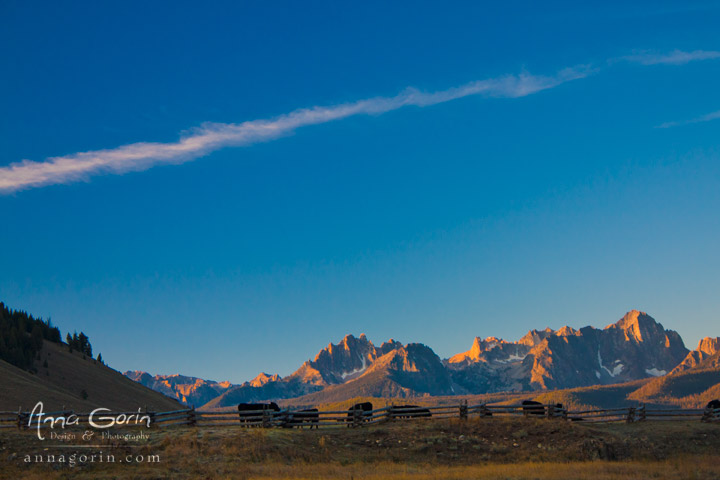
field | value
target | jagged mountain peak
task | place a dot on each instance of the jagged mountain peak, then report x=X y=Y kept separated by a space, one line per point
x=344 y=361
x=491 y=349
x=348 y=343
x=188 y=390
x=566 y=332
x=632 y=317
x=389 y=346
x=403 y=358
x=709 y=345
x=262 y=379
x=171 y=379
x=632 y=320
x=638 y=326
x=534 y=337
x=414 y=367
x=138 y=375
x=641 y=328
x=634 y=347
x=480 y=346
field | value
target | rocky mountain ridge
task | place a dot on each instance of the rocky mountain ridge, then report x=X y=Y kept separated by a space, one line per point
x=691 y=384
x=707 y=347
x=635 y=347
x=187 y=390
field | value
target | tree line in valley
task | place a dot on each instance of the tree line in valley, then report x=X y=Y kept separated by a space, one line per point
x=22 y=336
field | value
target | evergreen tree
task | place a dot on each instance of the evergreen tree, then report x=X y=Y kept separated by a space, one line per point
x=36 y=337
x=22 y=336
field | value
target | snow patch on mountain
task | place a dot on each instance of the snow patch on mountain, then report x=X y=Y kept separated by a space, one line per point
x=617 y=369
x=512 y=358
x=355 y=372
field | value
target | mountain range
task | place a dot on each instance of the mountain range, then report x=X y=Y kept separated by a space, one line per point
x=633 y=348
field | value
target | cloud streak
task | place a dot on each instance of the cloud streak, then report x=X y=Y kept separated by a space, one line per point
x=676 y=57
x=210 y=137
x=704 y=118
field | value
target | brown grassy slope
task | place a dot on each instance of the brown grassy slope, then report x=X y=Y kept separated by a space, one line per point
x=600 y=396
x=425 y=400
x=346 y=404
x=64 y=379
x=689 y=389
x=22 y=389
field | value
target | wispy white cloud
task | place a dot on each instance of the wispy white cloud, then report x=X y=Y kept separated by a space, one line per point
x=210 y=137
x=675 y=57
x=213 y=136
x=704 y=118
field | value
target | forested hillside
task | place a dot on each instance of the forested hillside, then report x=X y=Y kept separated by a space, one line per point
x=22 y=336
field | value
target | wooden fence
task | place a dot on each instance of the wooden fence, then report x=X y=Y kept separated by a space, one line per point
x=287 y=418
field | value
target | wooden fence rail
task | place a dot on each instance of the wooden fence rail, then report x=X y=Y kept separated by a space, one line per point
x=287 y=418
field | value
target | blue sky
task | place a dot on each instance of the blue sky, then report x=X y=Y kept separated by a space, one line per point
x=575 y=179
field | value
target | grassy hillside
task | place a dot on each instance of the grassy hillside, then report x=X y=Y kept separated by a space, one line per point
x=690 y=389
x=600 y=396
x=67 y=379
x=23 y=389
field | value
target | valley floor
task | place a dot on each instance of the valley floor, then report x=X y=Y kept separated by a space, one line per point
x=498 y=448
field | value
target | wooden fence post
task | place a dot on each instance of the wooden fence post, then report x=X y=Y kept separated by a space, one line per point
x=630 y=415
x=550 y=411
x=484 y=411
x=21 y=419
x=464 y=410
x=266 y=418
x=642 y=412
x=707 y=415
x=192 y=417
x=151 y=416
x=357 y=417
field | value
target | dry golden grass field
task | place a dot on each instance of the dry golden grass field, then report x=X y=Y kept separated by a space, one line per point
x=497 y=448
